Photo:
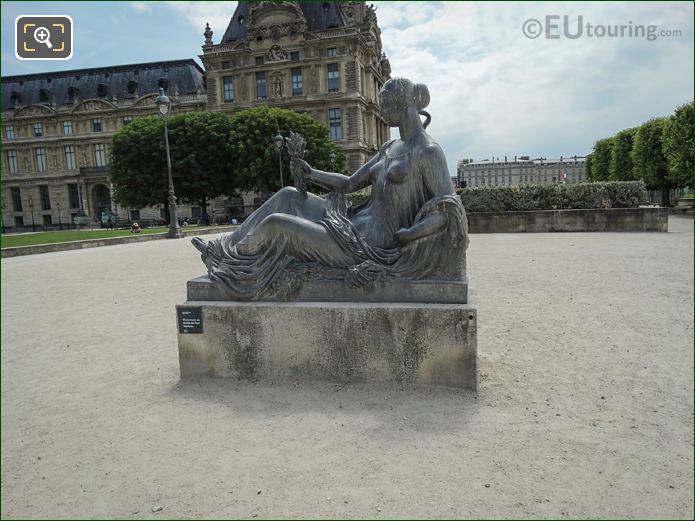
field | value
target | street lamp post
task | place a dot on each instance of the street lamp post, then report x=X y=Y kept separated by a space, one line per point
x=31 y=207
x=60 y=221
x=164 y=105
x=279 y=141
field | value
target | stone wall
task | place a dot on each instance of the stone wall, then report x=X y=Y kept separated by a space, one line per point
x=594 y=220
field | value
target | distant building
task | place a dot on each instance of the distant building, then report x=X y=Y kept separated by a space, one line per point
x=521 y=171
x=324 y=59
x=56 y=134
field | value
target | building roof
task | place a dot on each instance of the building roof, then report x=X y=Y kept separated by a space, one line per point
x=319 y=16
x=120 y=81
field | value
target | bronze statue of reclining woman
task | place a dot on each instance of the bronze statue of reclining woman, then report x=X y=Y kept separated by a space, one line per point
x=412 y=226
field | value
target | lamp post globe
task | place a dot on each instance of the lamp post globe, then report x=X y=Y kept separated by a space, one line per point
x=164 y=104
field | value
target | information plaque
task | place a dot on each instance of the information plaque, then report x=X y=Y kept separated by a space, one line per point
x=190 y=320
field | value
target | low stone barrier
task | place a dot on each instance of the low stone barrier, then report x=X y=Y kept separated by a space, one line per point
x=592 y=220
x=18 y=251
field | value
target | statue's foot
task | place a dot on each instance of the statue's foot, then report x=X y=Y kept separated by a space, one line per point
x=200 y=244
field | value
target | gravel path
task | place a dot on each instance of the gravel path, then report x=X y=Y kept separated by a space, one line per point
x=585 y=405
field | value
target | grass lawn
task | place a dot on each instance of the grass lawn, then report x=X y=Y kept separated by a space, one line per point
x=31 y=239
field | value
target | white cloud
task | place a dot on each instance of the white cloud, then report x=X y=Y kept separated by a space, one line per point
x=496 y=92
x=217 y=14
x=141 y=7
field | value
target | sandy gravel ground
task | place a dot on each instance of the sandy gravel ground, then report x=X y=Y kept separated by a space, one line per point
x=585 y=406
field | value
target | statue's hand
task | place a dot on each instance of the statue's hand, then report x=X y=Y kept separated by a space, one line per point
x=301 y=167
x=403 y=236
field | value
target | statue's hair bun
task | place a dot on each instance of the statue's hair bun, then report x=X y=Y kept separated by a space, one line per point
x=421 y=95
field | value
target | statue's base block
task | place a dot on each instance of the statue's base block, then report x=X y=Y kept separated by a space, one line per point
x=432 y=344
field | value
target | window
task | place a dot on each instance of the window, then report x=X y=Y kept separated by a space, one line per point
x=96 y=125
x=67 y=127
x=127 y=120
x=260 y=85
x=259 y=60
x=18 y=221
x=297 y=86
x=45 y=197
x=47 y=220
x=9 y=132
x=40 y=159
x=228 y=89
x=100 y=154
x=335 y=124
x=331 y=52
x=226 y=64
x=134 y=215
x=333 y=77
x=12 y=161
x=132 y=87
x=294 y=56
x=38 y=129
x=74 y=195
x=70 y=162
x=16 y=200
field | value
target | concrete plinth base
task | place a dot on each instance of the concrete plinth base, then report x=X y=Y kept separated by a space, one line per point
x=432 y=344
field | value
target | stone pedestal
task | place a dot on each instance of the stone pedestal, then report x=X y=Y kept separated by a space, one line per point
x=433 y=344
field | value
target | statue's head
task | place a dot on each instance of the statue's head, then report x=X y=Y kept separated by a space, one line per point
x=399 y=95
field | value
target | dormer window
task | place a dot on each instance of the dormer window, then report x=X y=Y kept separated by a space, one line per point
x=132 y=87
x=242 y=20
x=102 y=90
x=44 y=95
x=16 y=96
x=163 y=83
x=73 y=93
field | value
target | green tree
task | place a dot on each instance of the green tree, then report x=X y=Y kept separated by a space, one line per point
x=601 y=159
x=255 y=157
x=138 y=164
x=620 y=168
x=648 y=160
x=201 y=167
x=678 y=145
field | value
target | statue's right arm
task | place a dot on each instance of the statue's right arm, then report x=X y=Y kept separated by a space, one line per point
x=344 y=184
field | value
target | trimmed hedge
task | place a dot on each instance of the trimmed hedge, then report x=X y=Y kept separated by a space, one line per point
x=616 y=194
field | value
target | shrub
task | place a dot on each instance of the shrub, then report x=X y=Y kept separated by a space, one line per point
x=617 y=194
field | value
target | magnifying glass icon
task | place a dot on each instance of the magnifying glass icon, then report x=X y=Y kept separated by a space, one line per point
x=42 y=35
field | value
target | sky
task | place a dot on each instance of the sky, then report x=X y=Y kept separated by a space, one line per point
x=494 y=91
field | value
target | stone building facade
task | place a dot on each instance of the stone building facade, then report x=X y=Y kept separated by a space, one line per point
x=324 y=59
x=56 y=132
x=521 y=171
